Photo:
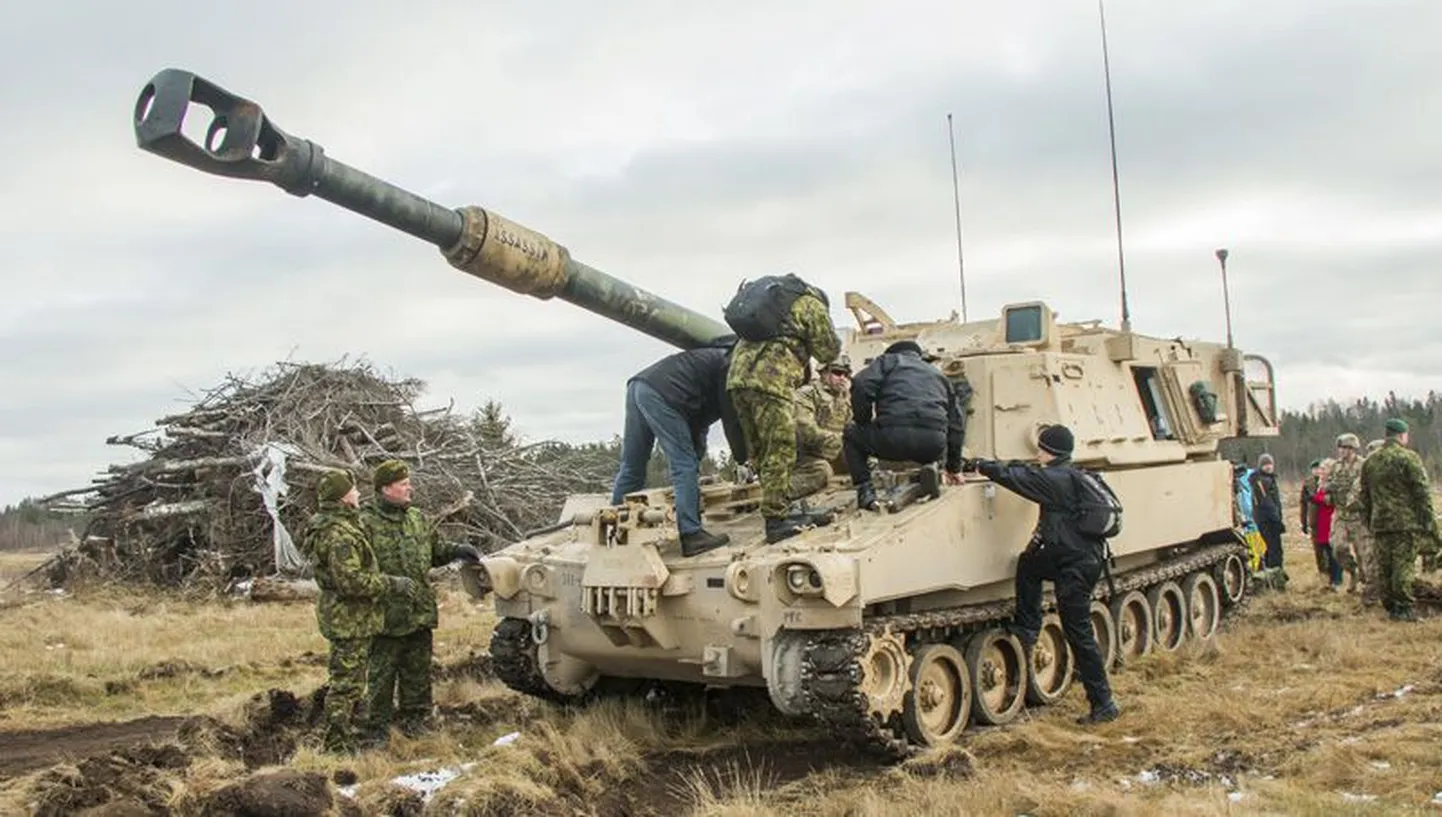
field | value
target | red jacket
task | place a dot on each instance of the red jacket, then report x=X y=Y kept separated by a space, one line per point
x=1322 y=530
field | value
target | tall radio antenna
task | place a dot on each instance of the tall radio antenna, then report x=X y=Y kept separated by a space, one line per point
x=1116 y=186
x=956 y=198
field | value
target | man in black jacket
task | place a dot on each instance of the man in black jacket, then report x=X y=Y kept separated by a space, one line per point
x=1058 y=553
x=903 y=409
x=674 y=402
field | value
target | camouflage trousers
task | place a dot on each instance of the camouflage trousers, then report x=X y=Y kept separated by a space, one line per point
x=400 y=671
x=768 y=423
x=1352 y=547
x=345 y=692
x=1396 y=557
x=808 y=476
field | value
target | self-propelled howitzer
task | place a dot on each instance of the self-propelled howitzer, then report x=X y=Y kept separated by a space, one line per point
x=889 y=627
x=244 y=143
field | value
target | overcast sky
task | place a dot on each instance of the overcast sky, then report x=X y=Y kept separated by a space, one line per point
x=684 y=147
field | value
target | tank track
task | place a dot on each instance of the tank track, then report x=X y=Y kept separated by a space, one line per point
x=513 y=660
x=831 y=671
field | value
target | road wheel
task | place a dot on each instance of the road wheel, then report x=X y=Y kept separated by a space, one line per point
x=997 y=665
x=1135 y=630
x=939 y=701
x=1050 y=664
x=1204 y=606
x=1169 y=612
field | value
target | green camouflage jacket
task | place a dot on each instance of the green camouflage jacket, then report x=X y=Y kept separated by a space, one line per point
x=820 y=416
x=1342 y=487
x=406 y=545
x=1394 y=493
x=352 y=588
x=778 y=366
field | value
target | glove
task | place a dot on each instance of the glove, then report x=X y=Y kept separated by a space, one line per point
x=404 y=585
x=468 y=553
x=952 y=477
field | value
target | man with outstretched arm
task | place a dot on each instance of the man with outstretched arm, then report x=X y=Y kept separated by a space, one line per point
x=1059 y=553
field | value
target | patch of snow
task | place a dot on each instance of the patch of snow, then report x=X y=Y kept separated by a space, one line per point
x=425 y=783
x=1234 y=796
x=1397 y=693
x=1148 y=777
x=506 y=740
x=1437 y=799
x=1358 y=798
x=1130 y=739
x=1381 y=764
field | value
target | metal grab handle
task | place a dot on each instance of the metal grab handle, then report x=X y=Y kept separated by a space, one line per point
x=252 y=146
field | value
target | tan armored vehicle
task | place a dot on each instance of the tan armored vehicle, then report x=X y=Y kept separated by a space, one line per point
x=886 y=626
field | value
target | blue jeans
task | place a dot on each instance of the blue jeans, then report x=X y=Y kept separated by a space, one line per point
x=650 y=420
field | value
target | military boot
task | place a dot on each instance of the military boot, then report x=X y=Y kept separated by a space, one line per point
x=778 y=529
x=930 y=480
x=698 y=542
x=1108 y=711
x=866 y=497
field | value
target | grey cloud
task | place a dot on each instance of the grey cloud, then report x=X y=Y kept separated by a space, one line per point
x=683 y=150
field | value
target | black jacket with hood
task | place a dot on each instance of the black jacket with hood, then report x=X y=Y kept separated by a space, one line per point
x=900 y=389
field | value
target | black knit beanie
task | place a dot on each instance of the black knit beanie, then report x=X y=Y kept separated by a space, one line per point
x=1057 y=440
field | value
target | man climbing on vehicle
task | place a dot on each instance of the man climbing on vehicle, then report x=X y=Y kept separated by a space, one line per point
x=1059 y=552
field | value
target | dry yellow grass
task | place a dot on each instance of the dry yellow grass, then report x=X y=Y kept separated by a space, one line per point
x=109 y=655
x=16 y=563
x=1294 y=710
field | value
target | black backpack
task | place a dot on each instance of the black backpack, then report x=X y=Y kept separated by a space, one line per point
x=1099 y=512
x=760 y=309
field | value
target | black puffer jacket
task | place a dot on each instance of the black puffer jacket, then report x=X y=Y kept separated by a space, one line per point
x=901 y=390
x=694 y=382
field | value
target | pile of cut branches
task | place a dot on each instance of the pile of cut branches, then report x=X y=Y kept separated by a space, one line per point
x=201 y=509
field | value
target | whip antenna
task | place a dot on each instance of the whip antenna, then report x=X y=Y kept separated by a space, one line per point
x=1116 y=186
x=956 y=198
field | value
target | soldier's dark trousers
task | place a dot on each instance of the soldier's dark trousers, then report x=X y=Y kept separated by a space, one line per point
x=1074 y=577
x=901 y=443
x=400 y=668
x=345 y=693
x=1272 y=535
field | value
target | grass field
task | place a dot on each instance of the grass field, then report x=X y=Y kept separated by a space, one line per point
x=16 y=563
x=1305 y=704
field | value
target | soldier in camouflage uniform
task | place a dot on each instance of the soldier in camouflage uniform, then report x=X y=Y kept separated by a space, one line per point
x=822 y=409
x=406 y=545
x=762 y=382
x=1396 y=504
x=1349 y=535
x=350 y=608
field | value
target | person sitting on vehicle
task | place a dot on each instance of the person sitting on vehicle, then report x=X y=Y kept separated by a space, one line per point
x=904 y=409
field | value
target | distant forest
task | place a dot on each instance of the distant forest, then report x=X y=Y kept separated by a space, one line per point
x=1311 y=434
x=1306 y=435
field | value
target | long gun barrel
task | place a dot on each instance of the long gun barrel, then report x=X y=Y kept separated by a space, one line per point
x=243 y=143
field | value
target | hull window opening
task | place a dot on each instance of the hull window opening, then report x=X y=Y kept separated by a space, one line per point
x=1149 y=389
